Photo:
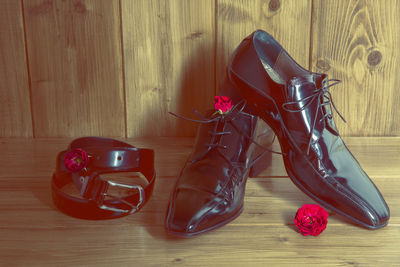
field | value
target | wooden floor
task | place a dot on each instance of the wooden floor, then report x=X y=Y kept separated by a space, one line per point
x=34 y=233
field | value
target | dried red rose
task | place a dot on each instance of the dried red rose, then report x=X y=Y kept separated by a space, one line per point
x=311 y=219
x=222 y=104
x=75 y=160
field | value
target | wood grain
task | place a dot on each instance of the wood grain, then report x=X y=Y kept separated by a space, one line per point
x=358 y=44
x=75 y=63
x=169 y=64
x=15 y=112
x=264 y=234
x=172 y=57
x=128 y=243
x=379 y=156
x=287 y=21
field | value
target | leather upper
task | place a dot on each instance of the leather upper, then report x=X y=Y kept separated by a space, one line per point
x=210 y=189
x=297 y=104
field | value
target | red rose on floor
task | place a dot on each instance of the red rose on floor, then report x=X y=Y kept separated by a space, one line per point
x=222 y=104
x=311 y=219
x=75 y=160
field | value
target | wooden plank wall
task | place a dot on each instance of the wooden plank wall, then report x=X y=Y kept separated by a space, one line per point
x=116 y=67
x=15 y=106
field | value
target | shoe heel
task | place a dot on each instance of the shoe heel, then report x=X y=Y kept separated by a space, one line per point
x=262 y=159
x=262 y=163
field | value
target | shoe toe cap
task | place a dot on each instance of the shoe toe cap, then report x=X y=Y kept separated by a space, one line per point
x=369 y=206
x=186 y=211
x=377 y=215
x=361 y=202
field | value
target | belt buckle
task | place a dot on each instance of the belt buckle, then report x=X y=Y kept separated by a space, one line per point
x=133 y=208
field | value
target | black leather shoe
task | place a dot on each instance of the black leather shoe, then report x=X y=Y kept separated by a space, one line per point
x=209 y=192
x=296 y=103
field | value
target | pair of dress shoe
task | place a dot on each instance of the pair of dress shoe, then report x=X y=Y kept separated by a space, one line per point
x=297 y=106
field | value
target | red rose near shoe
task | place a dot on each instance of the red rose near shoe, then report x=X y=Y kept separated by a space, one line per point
x=222 y=104
x=311 y=219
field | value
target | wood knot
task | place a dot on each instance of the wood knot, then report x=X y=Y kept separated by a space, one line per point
x=323 y=65
x=80 y=7
x=283 y=239
x=194 y=35
x=44 y=7
x=274 y=5
x=374 y=58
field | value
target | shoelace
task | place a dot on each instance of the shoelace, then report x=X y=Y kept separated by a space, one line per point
x=236 y=167
x=235 y=110
x=323 y=97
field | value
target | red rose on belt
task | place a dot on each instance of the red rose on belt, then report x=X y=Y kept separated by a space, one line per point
x=222 y=104
x=75 y=160
x=311 y=219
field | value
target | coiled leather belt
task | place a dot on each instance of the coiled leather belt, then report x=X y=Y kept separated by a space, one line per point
x=84 y=162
